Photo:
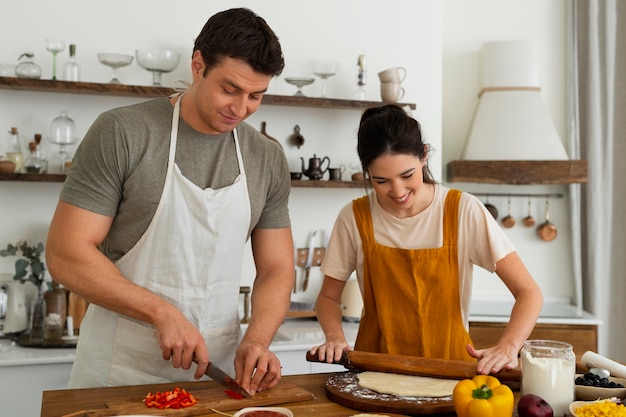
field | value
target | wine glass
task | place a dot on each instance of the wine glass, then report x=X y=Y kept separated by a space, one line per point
x=299 y=82
x=115 y=61
x=157 y=62
x=324 y=70
x=54 y=45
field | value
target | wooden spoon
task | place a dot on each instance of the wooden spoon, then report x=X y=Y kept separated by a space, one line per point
x=529 y=221
x=546 y=230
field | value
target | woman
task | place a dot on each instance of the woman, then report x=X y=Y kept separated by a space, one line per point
x=413 y=244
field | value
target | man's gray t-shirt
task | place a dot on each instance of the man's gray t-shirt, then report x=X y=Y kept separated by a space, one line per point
x=119 y=170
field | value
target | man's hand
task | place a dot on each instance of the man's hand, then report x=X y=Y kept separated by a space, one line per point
x=256 y=368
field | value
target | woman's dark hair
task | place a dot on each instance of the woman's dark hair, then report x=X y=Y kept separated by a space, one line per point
x=240 y=34
x=388 y=129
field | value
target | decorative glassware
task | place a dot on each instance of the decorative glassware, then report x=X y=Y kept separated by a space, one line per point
x=54 y=45
x=71 y=69
x=33 y=163
x=14 y=150
x=115 y=61
x=26 y=67
x=37 y=317
x=63 y=133
x=299 y=82
x=157 y=61
x=324 y=70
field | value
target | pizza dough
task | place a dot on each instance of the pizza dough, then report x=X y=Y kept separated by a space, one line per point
x=407 y=385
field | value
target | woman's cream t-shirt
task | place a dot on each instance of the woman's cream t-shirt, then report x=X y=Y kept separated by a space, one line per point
x=481 y=240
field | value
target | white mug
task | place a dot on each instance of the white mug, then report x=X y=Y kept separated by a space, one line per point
x=392 y=75
x=391 y=92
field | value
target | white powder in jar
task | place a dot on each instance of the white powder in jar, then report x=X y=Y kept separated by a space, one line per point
x=551 y=379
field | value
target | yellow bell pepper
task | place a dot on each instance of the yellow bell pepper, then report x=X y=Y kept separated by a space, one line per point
x=483 y=396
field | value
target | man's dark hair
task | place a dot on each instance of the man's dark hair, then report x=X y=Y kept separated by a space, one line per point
x=240 y=34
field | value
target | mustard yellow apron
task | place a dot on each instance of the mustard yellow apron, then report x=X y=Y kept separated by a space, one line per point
x=411 y=296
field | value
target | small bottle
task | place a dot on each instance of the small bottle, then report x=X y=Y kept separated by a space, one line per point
x=14 y=150
x=42 y=152
x=361 y=78
x=71 y=69
x=33 y=163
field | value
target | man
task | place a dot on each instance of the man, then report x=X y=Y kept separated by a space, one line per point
x=152 y=222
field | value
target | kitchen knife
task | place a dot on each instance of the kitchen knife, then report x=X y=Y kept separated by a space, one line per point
x=309 y=261
x=414 y=365
x=224 y=379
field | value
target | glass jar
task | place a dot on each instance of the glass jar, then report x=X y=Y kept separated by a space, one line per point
x=71 y=69
x=548 y=371
x=26 y=67
x=37 y=318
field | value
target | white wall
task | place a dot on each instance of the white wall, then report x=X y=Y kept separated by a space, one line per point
x=438 y=43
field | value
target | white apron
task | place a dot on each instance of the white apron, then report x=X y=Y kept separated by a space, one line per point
x=191 y=255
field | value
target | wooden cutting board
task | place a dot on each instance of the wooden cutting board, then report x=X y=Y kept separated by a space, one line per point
x=213 y=398
x=344 y=389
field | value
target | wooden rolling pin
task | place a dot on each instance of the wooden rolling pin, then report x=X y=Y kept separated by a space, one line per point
x=414 y=365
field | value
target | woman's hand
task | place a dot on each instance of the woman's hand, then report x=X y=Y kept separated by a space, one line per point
x=494 y=359
x=330 y=351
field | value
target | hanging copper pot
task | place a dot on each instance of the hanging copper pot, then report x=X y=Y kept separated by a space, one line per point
x=529 y=221
x=508 y=221
x=547 y=230
x=491 y=208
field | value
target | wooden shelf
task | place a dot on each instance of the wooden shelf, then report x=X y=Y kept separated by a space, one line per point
x=518 y=172
x=24 y=177
x=123 y=90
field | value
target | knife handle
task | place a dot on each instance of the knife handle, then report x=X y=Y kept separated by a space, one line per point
x=343 y=361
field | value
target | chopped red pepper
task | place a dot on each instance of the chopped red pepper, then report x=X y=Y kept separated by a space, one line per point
x=177 y=398
x=234 y=395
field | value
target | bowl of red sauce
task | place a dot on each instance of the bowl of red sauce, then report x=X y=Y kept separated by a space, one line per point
x=264 y=412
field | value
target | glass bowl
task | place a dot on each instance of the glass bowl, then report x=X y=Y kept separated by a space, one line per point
x=115 y=60
x=299 y=82
x=157 y=61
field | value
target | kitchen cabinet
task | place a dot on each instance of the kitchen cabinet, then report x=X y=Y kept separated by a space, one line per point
x=583 y=337
x=123 y=90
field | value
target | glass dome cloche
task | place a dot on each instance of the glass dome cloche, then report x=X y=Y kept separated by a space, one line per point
x=63 y=133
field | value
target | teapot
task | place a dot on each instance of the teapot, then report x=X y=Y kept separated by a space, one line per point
x=315 y=171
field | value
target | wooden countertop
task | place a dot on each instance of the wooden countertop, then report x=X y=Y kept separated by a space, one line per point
x=66 y=402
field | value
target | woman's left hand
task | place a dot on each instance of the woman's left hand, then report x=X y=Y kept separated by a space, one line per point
x=494 y=359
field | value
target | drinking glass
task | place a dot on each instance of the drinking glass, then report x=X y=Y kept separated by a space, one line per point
x=54 y=45
x=324 y=70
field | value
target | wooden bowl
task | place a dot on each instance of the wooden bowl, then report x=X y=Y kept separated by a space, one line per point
x=587 y=393
x=6 y=166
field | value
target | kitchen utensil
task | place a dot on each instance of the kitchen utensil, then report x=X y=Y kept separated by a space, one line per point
x=508 y=221
x=343 y=388
x=224 y=379
x=264 y=132
x=529 y=221
x=413 y=365
x=594 y=360
x=279 y=411
x=126 y=401
x=391 y=92
x=115 y=61
x=324 y=70
x=309 y=261
x=546 y=230
x=334 y=174
x=13 y=312
x=157 y=62
x=392 y=75
x=295 y=265
x=299 y=82
x=315 y=171
x=491 y=208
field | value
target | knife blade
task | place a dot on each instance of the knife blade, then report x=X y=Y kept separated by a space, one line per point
x=414 y=365
x=309 y=261
x=224 y=379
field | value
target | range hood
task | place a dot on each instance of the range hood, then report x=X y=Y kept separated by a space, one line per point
x=512 y=139
x=511 y=121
